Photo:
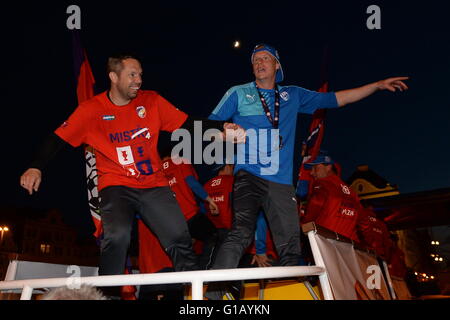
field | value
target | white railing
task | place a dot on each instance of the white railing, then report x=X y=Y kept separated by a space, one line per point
x=195 y=278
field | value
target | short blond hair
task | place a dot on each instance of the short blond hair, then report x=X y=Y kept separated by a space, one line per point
x=85 y=292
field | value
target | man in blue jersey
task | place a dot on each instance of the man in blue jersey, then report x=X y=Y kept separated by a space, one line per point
x=263 y=169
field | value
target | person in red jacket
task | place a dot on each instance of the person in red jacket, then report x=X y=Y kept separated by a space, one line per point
x=374 y=233
x=331 y=203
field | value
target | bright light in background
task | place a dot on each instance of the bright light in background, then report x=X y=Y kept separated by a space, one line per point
x=236 y=44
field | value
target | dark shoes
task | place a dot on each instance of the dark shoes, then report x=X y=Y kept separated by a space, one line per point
x=219 y=290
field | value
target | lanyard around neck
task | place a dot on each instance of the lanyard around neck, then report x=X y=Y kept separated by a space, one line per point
x=276 y=117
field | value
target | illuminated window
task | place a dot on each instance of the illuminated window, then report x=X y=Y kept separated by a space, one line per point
x=45 y=248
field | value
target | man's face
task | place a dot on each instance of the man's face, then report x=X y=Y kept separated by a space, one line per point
x=320 y=171
x=264 y=65
x=129 y=78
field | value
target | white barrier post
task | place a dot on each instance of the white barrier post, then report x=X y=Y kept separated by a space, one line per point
x=323 y=278
x=389 y=280
x=26 y=293
x=197 y=289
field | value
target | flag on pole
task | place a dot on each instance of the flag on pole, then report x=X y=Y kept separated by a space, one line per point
x=85 y=90
x=311 y=146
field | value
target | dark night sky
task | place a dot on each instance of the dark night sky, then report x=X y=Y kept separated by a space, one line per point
x=189 y=58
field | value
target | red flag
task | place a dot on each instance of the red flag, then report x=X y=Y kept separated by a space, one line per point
x=86 y=81
x=83 y=73
x=85 y=90
x=311 y=146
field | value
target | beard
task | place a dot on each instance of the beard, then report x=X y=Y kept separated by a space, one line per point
x=127 y=93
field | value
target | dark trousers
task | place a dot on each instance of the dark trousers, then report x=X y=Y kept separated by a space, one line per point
x=201 y=228
x=159 y=211
x=250 y=193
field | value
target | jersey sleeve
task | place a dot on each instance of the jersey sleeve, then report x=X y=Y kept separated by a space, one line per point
x=171 y=117
x=316 y=202
x=196 y=187
x=74 y=130
x=310 y=101
x=227 y=107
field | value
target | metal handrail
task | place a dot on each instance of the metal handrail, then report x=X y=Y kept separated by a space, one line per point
x=196 y=278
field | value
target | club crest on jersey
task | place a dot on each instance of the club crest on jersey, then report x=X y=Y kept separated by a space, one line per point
x=141 y=111
x=284 y=95
x=108 y=117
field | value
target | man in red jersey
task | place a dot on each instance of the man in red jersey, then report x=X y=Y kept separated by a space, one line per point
x=220 y=189
x=123 y=125
x=332 y=204
x=183 y=181
x=375 y=233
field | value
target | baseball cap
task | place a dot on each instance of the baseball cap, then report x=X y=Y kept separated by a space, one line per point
x=320 y=159
x=264 y=47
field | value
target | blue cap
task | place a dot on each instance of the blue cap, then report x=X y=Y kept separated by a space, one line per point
x=320 y=159
x=264 y=47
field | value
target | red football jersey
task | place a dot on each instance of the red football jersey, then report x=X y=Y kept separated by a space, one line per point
x=124 y=137
x=219 y=189
x=374 y=233
x=176 y=175
x=152 y=256
x=333 y=205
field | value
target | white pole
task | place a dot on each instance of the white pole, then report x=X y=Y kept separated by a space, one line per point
x=197 y=289
x=26 y=293
x=389 y=280
x=323 y=278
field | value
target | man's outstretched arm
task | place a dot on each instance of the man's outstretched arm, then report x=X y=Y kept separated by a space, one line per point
x=345 y=97
x=31 y=178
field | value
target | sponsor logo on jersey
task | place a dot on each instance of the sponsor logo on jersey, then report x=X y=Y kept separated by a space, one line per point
x=377 y=230
x=108 y=117
x=141 y=132
x=348 y=212
x=141 y=111
x=250 y=97
x=219 y=198
x=345 y=189
x=284 y=95
x=172 y=181
x=119 y=137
